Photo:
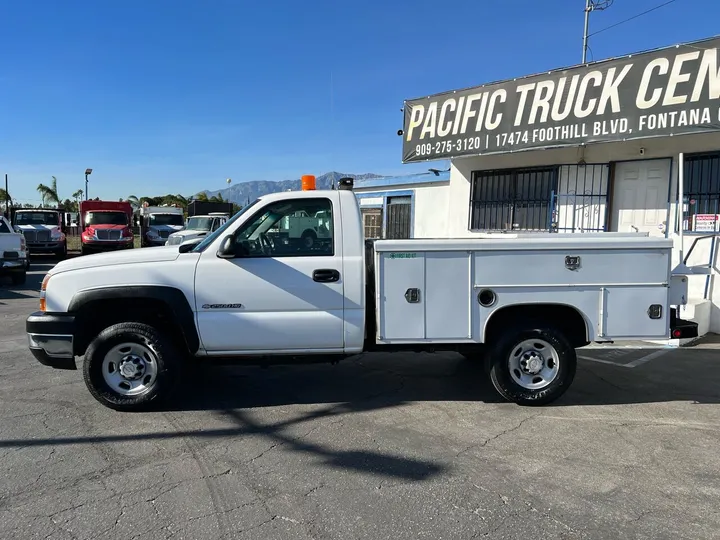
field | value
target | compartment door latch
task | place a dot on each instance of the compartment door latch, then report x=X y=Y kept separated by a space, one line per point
x=412 y=296
x=572 y=263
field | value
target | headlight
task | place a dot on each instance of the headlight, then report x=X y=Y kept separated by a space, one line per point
x=43 y=288
x=56 y=235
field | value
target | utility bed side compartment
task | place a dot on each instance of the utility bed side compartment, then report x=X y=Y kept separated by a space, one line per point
x=401 y=296
x=447 y=296
x=626 y=313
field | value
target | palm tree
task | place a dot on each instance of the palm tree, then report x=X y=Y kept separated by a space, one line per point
x=78 y=195
x=6 y=201
x=49 y=193
x=134 y=201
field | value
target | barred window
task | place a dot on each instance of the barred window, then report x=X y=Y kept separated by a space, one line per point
x=702 y=192
x=512 y=199
x=372 y=222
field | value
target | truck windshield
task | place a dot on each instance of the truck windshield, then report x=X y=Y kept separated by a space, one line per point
x=210 y=238
x=3 y=227
x=36 y=218
x=199 y=223
x=106 y=218
x=166 y=219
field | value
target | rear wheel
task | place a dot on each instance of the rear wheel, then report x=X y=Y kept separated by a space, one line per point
x=130 y=366
x=308 y=238
x=533 y=364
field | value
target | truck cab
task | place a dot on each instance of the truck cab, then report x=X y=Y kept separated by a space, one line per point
x=106 y=226
x=157 y=223
x=43 y=230
x=197 y=227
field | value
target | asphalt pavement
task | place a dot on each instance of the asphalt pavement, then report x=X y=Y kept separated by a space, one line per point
x=403 y=446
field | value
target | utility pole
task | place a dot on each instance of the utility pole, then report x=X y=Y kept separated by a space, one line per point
x=588 y=9
x=7 y=199
x=591 y=5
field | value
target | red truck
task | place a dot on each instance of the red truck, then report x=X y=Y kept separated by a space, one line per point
x=106 y=226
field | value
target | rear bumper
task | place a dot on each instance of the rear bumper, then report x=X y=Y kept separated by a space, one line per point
x=51 y=339
x=680 y=328
x=12 y=265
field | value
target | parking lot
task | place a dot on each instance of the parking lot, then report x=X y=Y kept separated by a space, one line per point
x=404 y=446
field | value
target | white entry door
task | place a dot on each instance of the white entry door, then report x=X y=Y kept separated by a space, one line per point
x=640 y=196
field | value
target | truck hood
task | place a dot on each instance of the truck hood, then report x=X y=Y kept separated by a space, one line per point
x=130 y=256
x=107 y=227
x=171 y=228
x=37 y=227
x=190 y=232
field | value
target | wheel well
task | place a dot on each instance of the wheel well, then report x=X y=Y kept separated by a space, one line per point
x=96 y=315
x=565 y=318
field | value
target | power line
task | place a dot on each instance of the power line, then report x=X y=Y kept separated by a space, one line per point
x=632 y=18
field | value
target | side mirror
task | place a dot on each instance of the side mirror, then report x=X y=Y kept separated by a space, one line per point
x=227 y=248
x=187 y=246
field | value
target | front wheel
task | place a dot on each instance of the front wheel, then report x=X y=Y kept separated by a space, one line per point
x=61 y=253
x=532 y=365
x=130 y=366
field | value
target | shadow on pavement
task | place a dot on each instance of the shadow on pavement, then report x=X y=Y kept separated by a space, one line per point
x=387 y=380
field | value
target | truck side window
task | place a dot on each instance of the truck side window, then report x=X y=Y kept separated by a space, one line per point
x=3 y=227
x=293 y=228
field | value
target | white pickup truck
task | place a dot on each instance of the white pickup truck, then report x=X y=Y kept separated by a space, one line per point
x=139 y=317
x=14 y=261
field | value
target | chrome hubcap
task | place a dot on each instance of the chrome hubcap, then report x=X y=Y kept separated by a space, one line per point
x=130 y=369
x=534 y=364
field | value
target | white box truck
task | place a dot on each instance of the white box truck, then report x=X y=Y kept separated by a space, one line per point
x=140 y=317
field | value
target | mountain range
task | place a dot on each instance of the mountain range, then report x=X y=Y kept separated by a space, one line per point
x=241 y=192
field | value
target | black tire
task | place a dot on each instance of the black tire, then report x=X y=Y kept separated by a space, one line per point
x=85 y=251
x=308 y=238
x=508 y=345
x=61 y=253
x=19 y=278
x=165 y=355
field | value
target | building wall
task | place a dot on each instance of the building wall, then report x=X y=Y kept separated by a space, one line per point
x=700 y=286
x=431 y=211
x=429 y=201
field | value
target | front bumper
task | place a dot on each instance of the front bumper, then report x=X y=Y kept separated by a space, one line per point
x=109 y=245
x=154 y=242
x=51 y=339
x=41 y=247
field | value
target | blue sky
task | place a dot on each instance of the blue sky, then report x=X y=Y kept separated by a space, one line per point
x=175 y=96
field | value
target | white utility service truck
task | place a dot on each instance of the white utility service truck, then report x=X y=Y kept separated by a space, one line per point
x=140 y=317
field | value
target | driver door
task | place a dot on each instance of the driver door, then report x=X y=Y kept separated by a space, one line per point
x=279 y=293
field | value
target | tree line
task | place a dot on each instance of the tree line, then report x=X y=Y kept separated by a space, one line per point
x=51 y=198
